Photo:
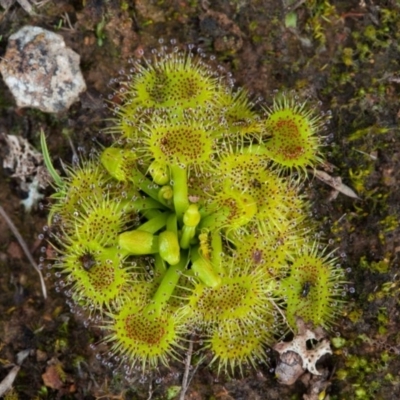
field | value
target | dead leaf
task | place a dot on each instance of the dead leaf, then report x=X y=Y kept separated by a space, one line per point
x=336 y=183
x=7 y=382
x=6 y=3
x=14 y=251
x=51 y=378
x=27 y=6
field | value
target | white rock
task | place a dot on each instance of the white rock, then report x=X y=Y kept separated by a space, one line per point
x=41 y=71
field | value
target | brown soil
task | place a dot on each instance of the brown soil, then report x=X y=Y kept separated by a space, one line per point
x=343 y=54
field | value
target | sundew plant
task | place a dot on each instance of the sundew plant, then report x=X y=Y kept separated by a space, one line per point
x=194 y=219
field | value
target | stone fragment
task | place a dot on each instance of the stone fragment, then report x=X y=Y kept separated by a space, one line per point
x=41 y=71
x=296 y=357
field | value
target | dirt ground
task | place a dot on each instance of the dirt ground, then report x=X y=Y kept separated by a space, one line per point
x=343 y=55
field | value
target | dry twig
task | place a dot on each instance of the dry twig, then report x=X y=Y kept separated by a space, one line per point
x=185 y=380
x=24 y=247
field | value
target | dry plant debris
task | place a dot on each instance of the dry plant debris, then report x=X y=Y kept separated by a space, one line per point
x=295 y=357
x=26 y=166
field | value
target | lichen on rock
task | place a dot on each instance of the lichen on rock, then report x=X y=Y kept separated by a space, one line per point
x=41 y=71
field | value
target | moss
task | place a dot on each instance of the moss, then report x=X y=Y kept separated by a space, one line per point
x=11 y=395
x=375 y=266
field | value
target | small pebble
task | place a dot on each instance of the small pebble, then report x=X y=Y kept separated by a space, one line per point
x=41 y=71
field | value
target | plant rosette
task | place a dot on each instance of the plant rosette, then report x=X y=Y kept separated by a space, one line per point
x=193 y=221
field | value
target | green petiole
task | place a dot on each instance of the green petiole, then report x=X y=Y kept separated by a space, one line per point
x=47 y=161
x=167 y=286
x=155 y=224
x=203 y=269
x=180 y=187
